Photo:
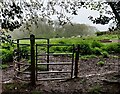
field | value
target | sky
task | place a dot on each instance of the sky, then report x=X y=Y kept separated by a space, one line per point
x=82 y=18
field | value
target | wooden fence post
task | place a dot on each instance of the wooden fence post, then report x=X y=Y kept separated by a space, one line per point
x=32 y=44
x=77 y=60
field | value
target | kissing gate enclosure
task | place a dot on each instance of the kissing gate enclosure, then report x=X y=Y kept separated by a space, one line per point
x=42 y=61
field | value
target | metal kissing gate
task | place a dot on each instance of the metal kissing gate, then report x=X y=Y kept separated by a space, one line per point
x=47 y=61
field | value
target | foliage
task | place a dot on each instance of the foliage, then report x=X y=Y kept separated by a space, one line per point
x=45 y=31
x=7 y=55
x=3 y=66
x=97 y=51
x=90 y=45
x=113 y=48
x=95 y=90
x=77 y=30
x=85 y=48
x=16 y=13
x=24 y=51
x=42 y=67
x=105 y=54
x=61 y=49
x=86 y=57
x=100 y=63
x=7 y=51
x=10 y=14
x=96 y=44
x=100 y=33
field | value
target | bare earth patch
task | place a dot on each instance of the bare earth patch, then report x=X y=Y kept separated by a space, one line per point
x=91 y=80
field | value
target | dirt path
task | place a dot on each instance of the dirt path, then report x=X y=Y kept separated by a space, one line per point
x=90 y=76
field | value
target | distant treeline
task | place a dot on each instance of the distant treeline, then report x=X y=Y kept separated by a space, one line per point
x=107 y=32
x=42 y=29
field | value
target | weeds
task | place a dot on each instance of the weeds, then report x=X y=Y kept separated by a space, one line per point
x=100 y=63
x=3 y=66
x=95 y=90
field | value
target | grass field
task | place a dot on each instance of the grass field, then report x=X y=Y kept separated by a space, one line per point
x=88 y=45
x=74 y=40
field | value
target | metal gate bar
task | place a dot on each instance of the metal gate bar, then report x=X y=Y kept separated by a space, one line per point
x=52 y=63
x=74 y=66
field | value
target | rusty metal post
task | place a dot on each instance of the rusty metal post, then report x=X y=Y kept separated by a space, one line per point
x=33 y=70
x=48 y=54
x=18 y=56
x=77 y=60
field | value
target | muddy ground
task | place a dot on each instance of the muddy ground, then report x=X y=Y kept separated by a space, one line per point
x=92 y=79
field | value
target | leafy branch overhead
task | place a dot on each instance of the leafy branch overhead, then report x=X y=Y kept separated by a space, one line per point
x=16 y=13
x=10 y=14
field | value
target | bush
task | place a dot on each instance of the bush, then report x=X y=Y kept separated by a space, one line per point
x=100 y=63
x=7 y=55
x=113 y=48
x=97 y=51
x=61 y=42
x=24 y=51
x=100 y=33
x=61 y=49
x=96 y=44
x=6 y=46
x=3 y=66
x=105 y=54
x=85 y=49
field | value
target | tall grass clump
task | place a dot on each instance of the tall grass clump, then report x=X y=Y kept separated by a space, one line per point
x=85 y=48
x=97 y=51
x=96 y=44
x=113 y=48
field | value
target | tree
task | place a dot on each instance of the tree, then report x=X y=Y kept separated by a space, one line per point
x=77 y=30
x=16 y=12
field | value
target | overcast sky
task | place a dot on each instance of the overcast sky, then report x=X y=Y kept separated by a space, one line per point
x=82 y=18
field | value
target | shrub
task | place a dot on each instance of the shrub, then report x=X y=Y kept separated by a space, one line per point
x=85 y=49
x=61 y=42
x=7 y=55
x=101 y=33
x=70 y=49
x=105 y=54
x=3 y=66
x=100 y=63
x=97 y=51
x=6 y=46
x=42 y=67
x=24 y=51
x=96 y=44
x=113 y=48
x=57 y=49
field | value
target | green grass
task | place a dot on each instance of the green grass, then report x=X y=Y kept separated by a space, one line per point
x=86 y=57
x=95 y=89
x=100 y=63
x=42 y=67
x=87 y=39
x=3 y=66
x=88 y=45
x=92 y=41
